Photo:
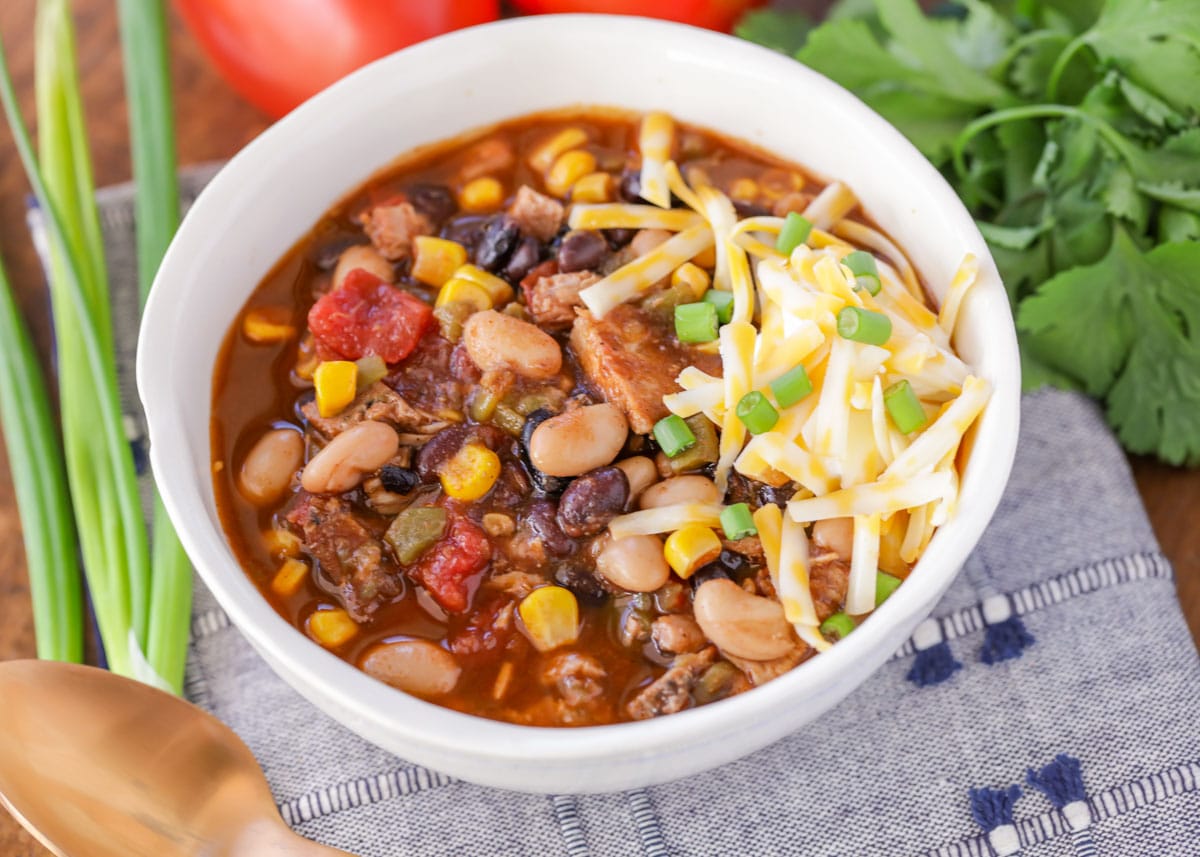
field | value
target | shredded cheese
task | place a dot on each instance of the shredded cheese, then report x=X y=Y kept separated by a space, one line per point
x=737 y=360
x=864 y=561
x=665 y=519
x=883 y=497
x=617 y=215
x=654 y=141
x=643 y=272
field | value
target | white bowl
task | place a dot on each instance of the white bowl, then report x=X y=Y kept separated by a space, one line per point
x=276 y=189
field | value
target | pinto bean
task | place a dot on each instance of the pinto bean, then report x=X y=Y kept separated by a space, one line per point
x=414 y=666
x=641 y=473
x=270 y=465
x=741 y=624
x=497 y=341
x=577 y=441
x=676 y=633
x=835 y=534
x=592 y=500
x=345 y=460
x=366 y=257
x=634 y=563
x=680 y=489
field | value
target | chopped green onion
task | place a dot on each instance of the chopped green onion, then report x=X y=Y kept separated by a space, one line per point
x=904 y=407
x=885 y=585
x=862 y=325
x=795 y=231
x=756 y=413
x=673 y=435
x=837 y=627
x=866 y=274
x=723 y=301
x=737 y=522
x=696 y=322
x=791 y=386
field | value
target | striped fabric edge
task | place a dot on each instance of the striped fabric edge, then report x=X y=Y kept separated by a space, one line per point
x=1037 y=596
x=360 y=792
x=1055 y=590
x=566 y=812
x=1111 y=803
x=645 y=819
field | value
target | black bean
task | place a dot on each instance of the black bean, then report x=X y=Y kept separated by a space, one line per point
x=328 y=250
x=592 y=500
x=712 y=571
x=524 y=258
x=398 y=480
x=435 y=201
x=734 y=563
x=544 y=485
x=630 y=186
x=443 y=445
x=618 y=238
x=541 y=518
x=772 y=495
x=499 y=238
x=467 y=231
x=581 y=250
x=583 y=582
x=749 y=209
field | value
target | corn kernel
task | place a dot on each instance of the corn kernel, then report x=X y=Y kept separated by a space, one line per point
x=289 y=578
x=267 y=326
x=499 y=291
x=332 y=628
x=706 y=258
x=691 y=547
x=470 y=473
x=465 y=292
x=482 y=194
x=744 y=189
x=594 y=187
x=336 y=382
x=693 y=277
x=551 y=617
x=777 y=182
x=568 y=169
x=436 y=259
x=281 y=543
x=546 y=154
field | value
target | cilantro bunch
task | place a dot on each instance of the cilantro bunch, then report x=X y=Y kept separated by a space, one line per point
x=1070 y=129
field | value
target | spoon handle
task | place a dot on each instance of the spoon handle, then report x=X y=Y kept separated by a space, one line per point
x=277 y=840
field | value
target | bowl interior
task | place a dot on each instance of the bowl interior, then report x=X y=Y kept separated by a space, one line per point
x=274 y=191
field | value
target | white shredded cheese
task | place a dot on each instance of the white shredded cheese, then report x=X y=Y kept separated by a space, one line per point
x=654 y=141
x=665 y=519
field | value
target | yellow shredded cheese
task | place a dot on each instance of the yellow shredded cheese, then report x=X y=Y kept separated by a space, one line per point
x=666 y=519
x=654 y=141
x=737 y=361
x=833 y=203
x=618 y=215
x=964 y=278
x=883 y=497
x=643 y=272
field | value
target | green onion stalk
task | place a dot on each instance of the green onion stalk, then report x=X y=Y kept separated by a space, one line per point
x=40 y=482
x=152 y=137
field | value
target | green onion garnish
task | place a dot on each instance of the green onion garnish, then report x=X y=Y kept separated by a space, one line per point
x=862 y=325
x=696 y=322
x=904 y=407
x=737 y=522
x=866 y=274
x=756 y=413
x=673 y=435
x=885 y=585
x=723 y=301
x=791 y=386
x=795 y=231
x=837 y=626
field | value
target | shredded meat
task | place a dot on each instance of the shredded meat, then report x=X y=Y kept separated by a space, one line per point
x=829 y=577
x=377 y=402
x=632 y=360
x=672 y=691
x=552 y=299
x=392 y=228
x=749 y=547
x=578 y=679
x=536 y=214
x=761 y=672
x=348 y=554
x=516 y=584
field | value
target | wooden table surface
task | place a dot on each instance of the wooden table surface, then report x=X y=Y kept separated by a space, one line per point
x=214 y=123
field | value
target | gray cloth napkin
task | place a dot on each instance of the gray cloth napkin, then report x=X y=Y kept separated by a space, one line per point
x=1051 y=706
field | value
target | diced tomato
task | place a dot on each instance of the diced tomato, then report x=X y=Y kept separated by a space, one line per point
x=365 y=316
x=446 y=569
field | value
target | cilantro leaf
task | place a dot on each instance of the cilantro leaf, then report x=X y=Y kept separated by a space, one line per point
x=775 y=29
x=1128 y=327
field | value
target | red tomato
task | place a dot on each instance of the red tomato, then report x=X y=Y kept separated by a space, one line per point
x=277 y=54
x=446 y=569
x=367 y=316
x=713 y=14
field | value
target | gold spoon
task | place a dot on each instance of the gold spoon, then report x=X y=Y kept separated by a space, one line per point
x=96 y=765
